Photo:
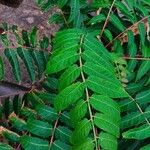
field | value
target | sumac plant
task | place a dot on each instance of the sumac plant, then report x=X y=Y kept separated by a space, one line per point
x=91 y=91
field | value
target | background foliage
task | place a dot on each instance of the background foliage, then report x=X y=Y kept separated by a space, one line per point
x=91 y=91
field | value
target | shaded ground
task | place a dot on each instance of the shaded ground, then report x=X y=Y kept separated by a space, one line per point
x=26 y=16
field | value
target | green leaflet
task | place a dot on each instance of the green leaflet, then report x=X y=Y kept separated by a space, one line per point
x=34 y=99
x=68 y=96
x=78 y=112
x=142 y=32
x=126 y=10
x=101 y=3
x=89 y=54
x=99 y=70
x=97 y=19
x=1 y=69
x=132 y=48
x=91 y=44
x=69 y=36
x=17 y=123
x=88 y=144
x=39 y=128
x=143 y=97
x=25 y=37
x=33 y=37
x=108 y=34
x=10 y=135
x=46 y=112
x=46 y=97
x=81 y=132
x=133 y=87
x=62 y=3
x=65 y=118
x=18 y=37
x=145 y=51
x=60 y=50
x=27 y=59
x=14 y=62
x=102 y=86
x=44 y=43
x=5 y=147
x=75 y=8
x=138 y=133
x=68 y=77
x=147 y=147
x=46 y=5
x=105 y=105
x=4 y=39
x=116 y=22
x=63 y=133
x=56 y=18
x=108 y=124
x=107 y=141
x=58 y=145
x=143 y=69
x=61 y=62
x=27 y=112
x=51 y=84
x=135 y=118
x=30 y=143
x=39 y=61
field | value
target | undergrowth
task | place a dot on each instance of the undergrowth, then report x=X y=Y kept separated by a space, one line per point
x=90 y=91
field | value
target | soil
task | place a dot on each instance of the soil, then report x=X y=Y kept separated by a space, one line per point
x=26 y=16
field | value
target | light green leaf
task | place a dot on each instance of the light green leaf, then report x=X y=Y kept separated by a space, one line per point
x=44 y=43
x=78 y=112
x=46 y=112
x=147 y=147
x=1 y=69
x=117 y=22
x=68 y=77
x=30 y=143
x=39 y=128
x=108 y=141
x=105 y=87
x=63 y=134
x=100 y=71
x=88 y=144
x=17 y=123
x=105 y=105
x=39 y=60
x=5 y=147
x=10 y=135
x=134 y=118
x=97 y=19
x=61 y=61
x=58 y=145
x=81 y=132
x=143 y=69
x=14 y=62
x=68 y=96
x=56 y=18
x=33 y=37
x=27 y=59
x=142 y=32
x=62 y=3
x=138 y=133
x=108 y=124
